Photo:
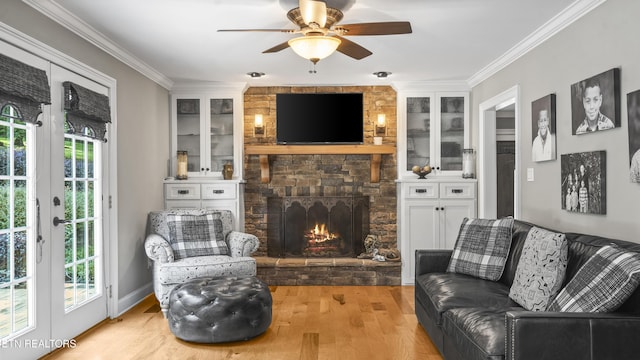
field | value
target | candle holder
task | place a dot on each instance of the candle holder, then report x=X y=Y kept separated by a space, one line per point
x=181 y=173
x=468 y=164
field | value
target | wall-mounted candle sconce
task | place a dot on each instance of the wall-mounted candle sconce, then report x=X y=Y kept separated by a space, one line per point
x=258 y=126
x=381 y=125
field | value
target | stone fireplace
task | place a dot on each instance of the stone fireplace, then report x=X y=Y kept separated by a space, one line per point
x=317 y=226
x=321 y=175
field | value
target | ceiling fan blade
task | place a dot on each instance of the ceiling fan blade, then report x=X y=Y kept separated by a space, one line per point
x=288 y=31
x=376 y=28
x=313 y=11
x=277 y=48
x=352 y=49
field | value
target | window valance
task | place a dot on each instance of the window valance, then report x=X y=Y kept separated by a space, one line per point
x=24 y=87
x=86 y=109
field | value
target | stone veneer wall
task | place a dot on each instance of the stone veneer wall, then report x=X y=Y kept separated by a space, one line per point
x=303 y=175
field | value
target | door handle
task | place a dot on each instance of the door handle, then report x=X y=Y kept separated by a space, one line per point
x=57 y=221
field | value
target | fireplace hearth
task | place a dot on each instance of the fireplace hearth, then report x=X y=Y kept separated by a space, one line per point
x=317 y=226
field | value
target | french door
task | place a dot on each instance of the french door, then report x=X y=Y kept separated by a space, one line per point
x=52 y=268
x=79 y=298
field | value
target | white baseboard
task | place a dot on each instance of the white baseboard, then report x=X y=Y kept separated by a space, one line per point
x=133 y=298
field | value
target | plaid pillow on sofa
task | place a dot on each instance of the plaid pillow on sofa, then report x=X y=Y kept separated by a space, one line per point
x=196 y=235
x=602 y=284
x=482 y=248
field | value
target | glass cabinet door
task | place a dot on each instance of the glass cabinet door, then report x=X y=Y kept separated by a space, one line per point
x=188 y=131
x=221 y=133
x=418 y=131
x=451 y=132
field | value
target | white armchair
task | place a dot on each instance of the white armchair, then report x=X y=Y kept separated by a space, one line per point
x=170 y=265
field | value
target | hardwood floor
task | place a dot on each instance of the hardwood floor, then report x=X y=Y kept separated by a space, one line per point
x=309 y=322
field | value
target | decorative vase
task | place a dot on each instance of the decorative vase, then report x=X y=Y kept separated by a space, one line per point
x=227 y=171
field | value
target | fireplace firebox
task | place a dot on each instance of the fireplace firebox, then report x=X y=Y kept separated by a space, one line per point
x=317 y=226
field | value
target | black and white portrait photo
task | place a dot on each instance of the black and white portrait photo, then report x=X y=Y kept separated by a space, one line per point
x=633 y=110
x=595 y=103
x=583 y=182
x=543 y=122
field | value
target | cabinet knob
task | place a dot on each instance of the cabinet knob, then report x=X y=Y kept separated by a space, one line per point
x=183 y=192
x=421 y=191
x=218 y=191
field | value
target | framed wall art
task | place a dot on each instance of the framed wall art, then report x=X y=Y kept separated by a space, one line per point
x=595 y=103
x=543 y=129
x=633 y=111
x=583 y=182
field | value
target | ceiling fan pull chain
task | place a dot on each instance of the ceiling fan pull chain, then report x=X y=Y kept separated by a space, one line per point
x=312 y=70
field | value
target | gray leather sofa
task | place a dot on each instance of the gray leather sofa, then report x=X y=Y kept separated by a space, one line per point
x=470 y=318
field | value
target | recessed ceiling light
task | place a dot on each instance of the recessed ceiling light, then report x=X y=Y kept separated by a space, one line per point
x=255 y=74
x=382 y=74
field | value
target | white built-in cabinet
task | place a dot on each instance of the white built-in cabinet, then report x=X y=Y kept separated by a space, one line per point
x=209 y=127
x=433 y=129
x=430 y=214
x=207 y=123
x=203 y=193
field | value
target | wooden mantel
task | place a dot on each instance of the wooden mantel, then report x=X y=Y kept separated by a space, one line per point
x=376 y=152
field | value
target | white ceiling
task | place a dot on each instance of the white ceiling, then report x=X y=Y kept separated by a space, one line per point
x=177 y=40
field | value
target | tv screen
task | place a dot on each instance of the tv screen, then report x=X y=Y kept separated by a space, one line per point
x=319 y=118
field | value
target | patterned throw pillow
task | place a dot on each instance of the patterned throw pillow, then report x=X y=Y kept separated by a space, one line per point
x=602 y=284
x=540 y=270
x=481 y=248
x=196 y=235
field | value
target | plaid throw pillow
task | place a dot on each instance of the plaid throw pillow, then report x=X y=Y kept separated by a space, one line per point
x=482 y=248
x=602 y=284
x=196 y=235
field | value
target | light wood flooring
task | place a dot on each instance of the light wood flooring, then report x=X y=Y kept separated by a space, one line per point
x=309 y=322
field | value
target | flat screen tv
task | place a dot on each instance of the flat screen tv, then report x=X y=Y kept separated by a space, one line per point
x=319 y=118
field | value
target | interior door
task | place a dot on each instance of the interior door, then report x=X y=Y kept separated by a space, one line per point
x=78 y=293
x=24 y=261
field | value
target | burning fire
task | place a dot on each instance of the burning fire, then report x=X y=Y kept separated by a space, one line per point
x=320 y=233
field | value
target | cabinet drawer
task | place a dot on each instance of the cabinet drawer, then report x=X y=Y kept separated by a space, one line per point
x=423 y=191
x=182 y=191
x=218 y=191
x=182 y=204
x=457 y=191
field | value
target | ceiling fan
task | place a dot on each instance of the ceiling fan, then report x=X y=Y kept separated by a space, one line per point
x=321 y=35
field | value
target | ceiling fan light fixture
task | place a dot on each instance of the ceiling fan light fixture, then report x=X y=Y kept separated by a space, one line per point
x=314 y=48
x=255 y=74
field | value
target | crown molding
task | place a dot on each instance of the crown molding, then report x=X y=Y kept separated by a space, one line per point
x=444 y=85
x=60 y=15
x=563 y=19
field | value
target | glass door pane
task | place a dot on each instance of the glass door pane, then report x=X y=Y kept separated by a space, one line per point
x=418 y=131
x=16 y=252
x=82 y=243
x=451 y=133
x=188 y=131
x=221 y=133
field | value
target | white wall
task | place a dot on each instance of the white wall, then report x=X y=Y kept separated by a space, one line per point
x=143 y=138
x=605 y=38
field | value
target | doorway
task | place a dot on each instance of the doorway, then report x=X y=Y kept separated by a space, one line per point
x=493 y=203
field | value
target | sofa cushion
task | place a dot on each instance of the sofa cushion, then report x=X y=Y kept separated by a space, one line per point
x=200 y=266
x=439 y=292
x=481 y=248
x=476 y=333
x=541 y=269
x=602 y=284
x=196 y=235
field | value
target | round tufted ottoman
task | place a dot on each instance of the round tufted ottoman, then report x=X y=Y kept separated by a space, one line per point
x=220 y=309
